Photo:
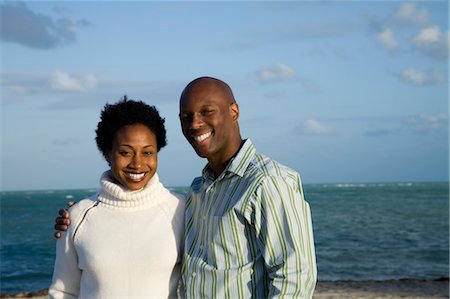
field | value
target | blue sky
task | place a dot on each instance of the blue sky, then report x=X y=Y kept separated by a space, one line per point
x=341 y=91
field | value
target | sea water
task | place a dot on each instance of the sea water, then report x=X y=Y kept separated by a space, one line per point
x=362 y=231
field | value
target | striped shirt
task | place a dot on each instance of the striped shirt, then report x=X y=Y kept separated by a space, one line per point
x=248 y=232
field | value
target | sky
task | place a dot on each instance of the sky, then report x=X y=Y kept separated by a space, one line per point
x=340 y=91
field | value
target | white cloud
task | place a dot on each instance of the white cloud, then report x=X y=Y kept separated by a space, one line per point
x=278 y=72
x=380 y=132
x=427 y=35
x=426 y=123
x=63 y=81
x=66 y=141
x=412 y=26
x=421 y=78
x=432 y=41
x=312 y=127
x=409 y=13
x=387 y=39
x=413 y=76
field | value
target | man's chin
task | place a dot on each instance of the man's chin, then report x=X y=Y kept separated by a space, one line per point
x=201 y=153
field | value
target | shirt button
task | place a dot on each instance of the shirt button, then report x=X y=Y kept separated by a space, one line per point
x=193 y=274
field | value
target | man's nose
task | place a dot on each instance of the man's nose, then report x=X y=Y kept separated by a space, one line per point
x=197 y=121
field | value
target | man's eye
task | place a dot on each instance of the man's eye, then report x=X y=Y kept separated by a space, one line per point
x=185 y=118
x=207 y=112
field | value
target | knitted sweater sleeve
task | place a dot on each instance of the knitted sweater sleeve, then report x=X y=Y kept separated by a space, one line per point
x=66 y=273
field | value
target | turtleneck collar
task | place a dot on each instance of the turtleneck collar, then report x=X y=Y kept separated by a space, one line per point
x=115 y=195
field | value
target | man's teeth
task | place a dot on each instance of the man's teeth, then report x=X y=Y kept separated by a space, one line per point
x=136 y=176
x=202 y=137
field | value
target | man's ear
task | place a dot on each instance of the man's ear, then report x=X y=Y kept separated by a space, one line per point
x=234 y=111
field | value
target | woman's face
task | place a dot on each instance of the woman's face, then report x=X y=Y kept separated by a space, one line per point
x=134 y=156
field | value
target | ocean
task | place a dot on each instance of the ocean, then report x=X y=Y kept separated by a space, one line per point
x=362 y=232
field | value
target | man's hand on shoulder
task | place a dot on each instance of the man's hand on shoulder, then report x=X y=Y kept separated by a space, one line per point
x=63 y=221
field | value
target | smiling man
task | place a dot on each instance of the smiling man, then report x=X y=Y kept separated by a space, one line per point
x=248 y=228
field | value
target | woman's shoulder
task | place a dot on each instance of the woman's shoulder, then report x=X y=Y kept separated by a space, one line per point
x=81 y=206
x=173 y=204
x=173 y=199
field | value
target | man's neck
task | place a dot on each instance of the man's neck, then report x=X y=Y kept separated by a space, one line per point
x=219 y=166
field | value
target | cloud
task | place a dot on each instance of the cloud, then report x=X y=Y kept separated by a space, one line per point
x=386 y=39
x=379 y=132
x=276 y=73
x=61 y=90
x=274 y=94
x=262 y=36
x=22 y=26
x=410 y=14
x=422 y=78
x=69 y=141
x=312 y=127
x=395 y=32
x=432 y=41
x=428 y=123
x=64 y=82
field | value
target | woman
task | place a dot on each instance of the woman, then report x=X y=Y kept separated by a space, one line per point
x=125 y=241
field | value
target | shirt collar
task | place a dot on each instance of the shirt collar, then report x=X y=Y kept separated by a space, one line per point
x=237 y=165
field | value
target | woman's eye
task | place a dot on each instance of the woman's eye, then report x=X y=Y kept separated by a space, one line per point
x=124 y=153
x=147 y=154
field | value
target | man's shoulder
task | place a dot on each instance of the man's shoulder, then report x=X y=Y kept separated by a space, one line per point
x=265 y=166
x=196 y=184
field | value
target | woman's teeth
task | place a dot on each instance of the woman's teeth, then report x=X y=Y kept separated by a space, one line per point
x=135 y=176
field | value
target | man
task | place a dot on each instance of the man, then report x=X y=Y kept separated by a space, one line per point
x=248 y=228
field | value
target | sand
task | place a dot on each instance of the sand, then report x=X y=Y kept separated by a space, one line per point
x=392 y=289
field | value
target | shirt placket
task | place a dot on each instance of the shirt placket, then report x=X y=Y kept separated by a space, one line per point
x=206 y=217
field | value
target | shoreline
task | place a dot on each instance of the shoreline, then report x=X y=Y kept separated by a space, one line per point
x=347 y=289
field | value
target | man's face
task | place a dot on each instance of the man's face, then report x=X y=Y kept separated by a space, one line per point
x=208 y=119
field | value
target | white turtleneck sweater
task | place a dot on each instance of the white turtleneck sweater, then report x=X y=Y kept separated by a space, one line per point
x=121 y=244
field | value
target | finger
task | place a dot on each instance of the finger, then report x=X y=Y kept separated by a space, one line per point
x=64 y=213
x=57 y=235
x=61 y=227
x=71 y=203
x=62 y=221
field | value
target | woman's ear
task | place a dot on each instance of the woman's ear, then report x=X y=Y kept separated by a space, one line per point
x=107 y=158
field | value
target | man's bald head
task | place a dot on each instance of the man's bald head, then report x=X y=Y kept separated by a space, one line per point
x=210 y=84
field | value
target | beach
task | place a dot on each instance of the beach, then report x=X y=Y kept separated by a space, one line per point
x=370 y=289
x=393 y=289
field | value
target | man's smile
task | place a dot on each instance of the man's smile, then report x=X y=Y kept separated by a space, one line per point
x=203 y=137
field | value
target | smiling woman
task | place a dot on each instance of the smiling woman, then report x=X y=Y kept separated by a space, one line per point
x=126 y=240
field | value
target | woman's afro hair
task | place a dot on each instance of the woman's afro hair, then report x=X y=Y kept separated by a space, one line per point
x=128 y=112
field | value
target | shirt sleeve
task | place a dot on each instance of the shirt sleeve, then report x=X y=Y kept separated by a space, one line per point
x=66 y=274
x=284 y=229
